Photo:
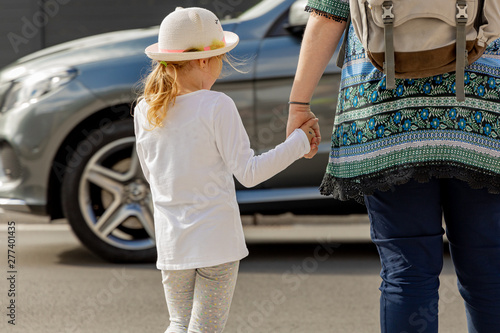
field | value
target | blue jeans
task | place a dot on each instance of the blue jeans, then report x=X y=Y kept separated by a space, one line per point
x=406 y=227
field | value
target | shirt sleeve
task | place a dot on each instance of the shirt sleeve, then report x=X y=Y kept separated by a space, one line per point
x=234 y=146
x=337 y=10
x=138 y=146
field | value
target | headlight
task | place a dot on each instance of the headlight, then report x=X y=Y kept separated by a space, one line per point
x=29 y=89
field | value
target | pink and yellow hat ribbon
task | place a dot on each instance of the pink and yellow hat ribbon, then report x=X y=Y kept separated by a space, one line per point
x=216 y=44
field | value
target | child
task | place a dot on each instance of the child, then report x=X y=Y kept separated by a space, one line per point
x=190 y=142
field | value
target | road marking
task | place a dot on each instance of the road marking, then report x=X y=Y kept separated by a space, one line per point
x=307 y=233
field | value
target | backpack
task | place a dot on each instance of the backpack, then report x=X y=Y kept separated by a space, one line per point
x=422 y=38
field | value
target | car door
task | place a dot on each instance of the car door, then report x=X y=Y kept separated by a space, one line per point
x=276 y=64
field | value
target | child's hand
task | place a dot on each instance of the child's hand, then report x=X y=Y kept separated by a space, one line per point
x=307 y=128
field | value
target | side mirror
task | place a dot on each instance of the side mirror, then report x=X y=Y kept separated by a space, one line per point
x=297 y=18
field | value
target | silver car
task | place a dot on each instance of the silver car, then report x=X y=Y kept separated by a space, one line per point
x=67 y=140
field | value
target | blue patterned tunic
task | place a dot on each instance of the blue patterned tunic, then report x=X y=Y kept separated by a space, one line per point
x=383 y=138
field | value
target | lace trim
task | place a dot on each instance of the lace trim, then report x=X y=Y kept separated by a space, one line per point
x=325 y=14
x=356 y=188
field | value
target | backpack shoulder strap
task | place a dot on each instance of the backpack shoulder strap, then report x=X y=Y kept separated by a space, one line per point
x=461 y=58
x=389 y=63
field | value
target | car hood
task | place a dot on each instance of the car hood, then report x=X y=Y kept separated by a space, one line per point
x=113 y=45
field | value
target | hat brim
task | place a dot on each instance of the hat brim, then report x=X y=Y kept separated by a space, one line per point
x=154 y=53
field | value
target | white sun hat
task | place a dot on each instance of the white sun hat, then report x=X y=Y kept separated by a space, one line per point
x=186 y=29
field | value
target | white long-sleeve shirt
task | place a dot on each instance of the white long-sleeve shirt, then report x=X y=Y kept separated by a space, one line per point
x=189 y=164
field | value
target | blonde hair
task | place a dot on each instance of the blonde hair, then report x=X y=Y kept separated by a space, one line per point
x=160 y=87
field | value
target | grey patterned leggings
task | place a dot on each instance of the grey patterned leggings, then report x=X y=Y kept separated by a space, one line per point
x=198 y=300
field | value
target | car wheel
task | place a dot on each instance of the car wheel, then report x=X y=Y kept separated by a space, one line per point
x=106 y=197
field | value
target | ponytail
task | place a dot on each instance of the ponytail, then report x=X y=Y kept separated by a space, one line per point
x=160 y=90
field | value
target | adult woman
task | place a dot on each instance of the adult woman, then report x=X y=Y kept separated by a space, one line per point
x=414 y=154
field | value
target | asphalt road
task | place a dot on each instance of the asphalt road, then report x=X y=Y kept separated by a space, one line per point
x=311 y=287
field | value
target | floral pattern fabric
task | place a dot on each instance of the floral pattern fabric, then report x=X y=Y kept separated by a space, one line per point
x=384 y=137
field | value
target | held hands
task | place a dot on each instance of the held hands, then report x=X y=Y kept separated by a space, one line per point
x=299 y=116
x=307 y=127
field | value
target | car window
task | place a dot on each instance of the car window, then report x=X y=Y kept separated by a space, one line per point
x=259 y=9
x=278 y=28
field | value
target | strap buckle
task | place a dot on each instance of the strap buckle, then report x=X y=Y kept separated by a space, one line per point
x=462 y=15
x=387 y=15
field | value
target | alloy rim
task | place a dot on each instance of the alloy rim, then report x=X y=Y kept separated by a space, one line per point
x=115 y=199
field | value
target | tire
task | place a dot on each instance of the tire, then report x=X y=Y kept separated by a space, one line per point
x=106 y=198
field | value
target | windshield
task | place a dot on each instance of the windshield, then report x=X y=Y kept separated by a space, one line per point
x=260 y=8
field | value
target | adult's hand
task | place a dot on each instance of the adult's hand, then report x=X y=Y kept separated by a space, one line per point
x=297 y=116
